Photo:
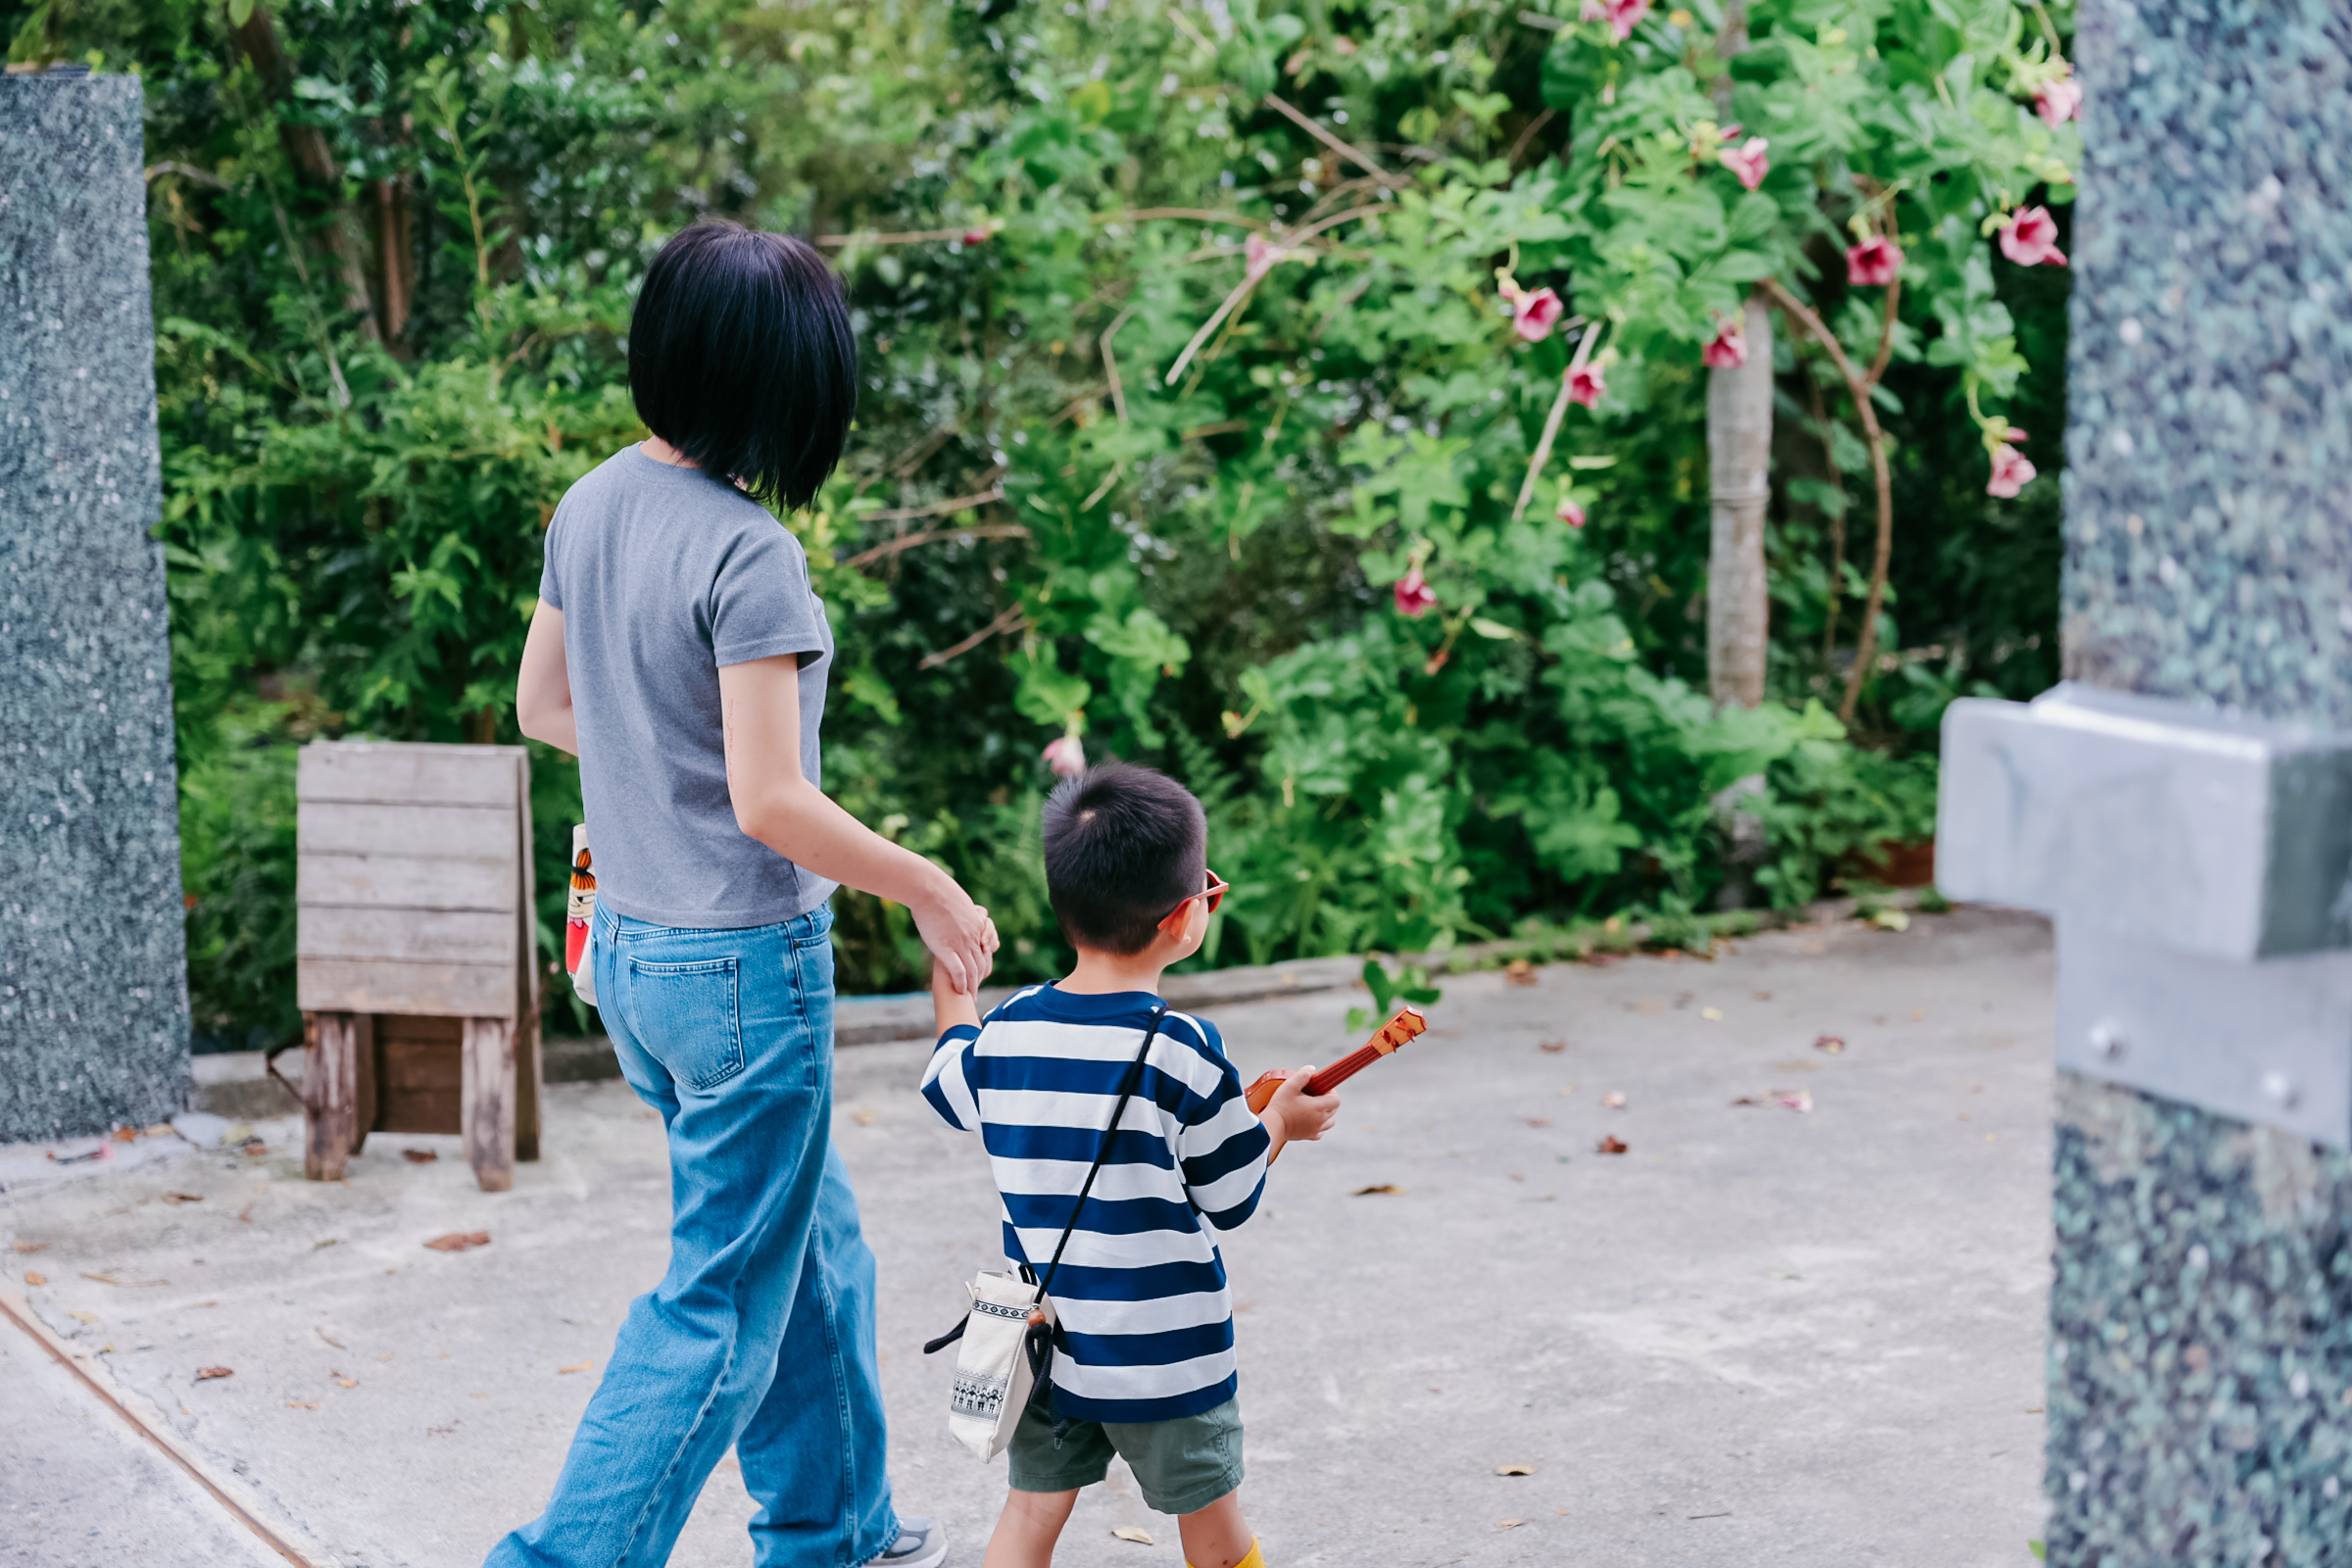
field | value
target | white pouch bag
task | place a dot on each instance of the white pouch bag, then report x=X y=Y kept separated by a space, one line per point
x=995 y=1369
x=1008 y=1354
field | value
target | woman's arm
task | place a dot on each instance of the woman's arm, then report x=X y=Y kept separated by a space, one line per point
x=543 y=690
x=775 y=804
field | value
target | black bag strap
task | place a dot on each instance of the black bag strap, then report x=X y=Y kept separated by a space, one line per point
x=1135 y=1076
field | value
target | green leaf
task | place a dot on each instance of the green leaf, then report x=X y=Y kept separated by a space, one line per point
x=239 y=12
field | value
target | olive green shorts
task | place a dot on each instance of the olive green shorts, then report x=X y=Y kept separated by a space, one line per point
x=1183 y=1465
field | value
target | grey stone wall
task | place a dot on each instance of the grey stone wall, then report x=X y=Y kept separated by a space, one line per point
x=94 y=977
x=2200 y=1405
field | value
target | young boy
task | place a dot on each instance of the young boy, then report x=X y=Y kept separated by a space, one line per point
x=1143 y=1354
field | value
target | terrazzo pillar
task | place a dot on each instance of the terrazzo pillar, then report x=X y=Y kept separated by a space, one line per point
x=2200 y=1371
x=93 y=973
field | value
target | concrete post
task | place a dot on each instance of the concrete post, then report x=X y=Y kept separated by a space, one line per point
x=93 y=973
x=2200 y=1401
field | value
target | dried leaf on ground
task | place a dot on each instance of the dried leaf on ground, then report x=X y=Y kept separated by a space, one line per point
x=1890 y=921
x=1832 y=1044
x=1554 y=1047
x=420 y=1156
x=1801 y=1101
x=300 y=1404
x=109 y=1279
x=1538 y=1121
x=1711 y=1015
x=1614 y=1099
x=83 y=1317
x=1508 y=1524
x=31 y=1278
x=1611 y=1144
x=459 y=1240
x=1519 y=972
x=330 y=1338
x=157 y=1131
x=582 y=1366
x=863 y=1116
x=184 y=1197
x=349 y=1382
x=1142 y=1538
x=245 y=1215
x=204 y=1374
x=124 y=1135
x=28 y=1247
x=1381 y=1187
x=1514 y=1469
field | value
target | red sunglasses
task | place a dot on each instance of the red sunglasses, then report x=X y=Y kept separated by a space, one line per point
x=1214 y=892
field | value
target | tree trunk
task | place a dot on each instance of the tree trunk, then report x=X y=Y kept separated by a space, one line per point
x=1738 y=458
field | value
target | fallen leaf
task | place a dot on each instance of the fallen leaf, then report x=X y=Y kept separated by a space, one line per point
x=324 y=1246
x=1917 y=1014
x=1747 y=1099
x=420 y=1156
x=28 y=1247
x=1645 y=1007
x=459 y=1240
x=300 y=1404
x=386 y=1356
x=245 y=1214
x=109 y=1279
x=1801 y=1101
x=863 y=1116
x=1761 y=996
x=30 y=1278
x=1519 y=972
x=157 y=1131
x=1992 y=1138
x=1890 y=921
x=1567 y=1091
x=1554 y=1047
x=1614 y=1099
x=1611 y=1144
x=1514 y=1469
x=1508 y=1524
x=1832 y=1044
x=124 y=1135
x=585 y=1366
x=204 y=1374
x=83 y=1317
x=253 y=1149
x=1383 y=1187
x=1711 y=1015
x=323 y=1334
x=1142 y=1538
x=184 y=1197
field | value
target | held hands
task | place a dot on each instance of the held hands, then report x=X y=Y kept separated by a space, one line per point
x=960 y=934
x=1294 y=1115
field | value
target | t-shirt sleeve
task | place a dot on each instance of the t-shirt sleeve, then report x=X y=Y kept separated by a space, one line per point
x=1222 y=1149
x=550 y=587
x=761 y=604
x=948 y=1081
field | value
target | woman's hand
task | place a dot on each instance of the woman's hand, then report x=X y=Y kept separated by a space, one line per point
x=960 y=934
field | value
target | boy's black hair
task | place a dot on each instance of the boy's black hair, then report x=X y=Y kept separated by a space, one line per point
x=741 y=357
x=1124 y=846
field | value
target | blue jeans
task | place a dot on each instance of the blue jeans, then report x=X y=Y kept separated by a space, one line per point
x=762 y=1334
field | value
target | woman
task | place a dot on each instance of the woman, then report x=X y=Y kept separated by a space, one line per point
x=679 y=651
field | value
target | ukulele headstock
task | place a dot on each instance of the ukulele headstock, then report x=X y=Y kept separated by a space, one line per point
x=1406 y=1025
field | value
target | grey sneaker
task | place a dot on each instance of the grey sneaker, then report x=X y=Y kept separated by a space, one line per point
x=921 y=1544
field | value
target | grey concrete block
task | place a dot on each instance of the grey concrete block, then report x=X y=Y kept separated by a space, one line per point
x=93 y=984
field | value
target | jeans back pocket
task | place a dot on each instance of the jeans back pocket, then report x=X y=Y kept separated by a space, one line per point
x=689 y=1018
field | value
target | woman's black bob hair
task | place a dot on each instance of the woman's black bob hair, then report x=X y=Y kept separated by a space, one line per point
x=741 y=357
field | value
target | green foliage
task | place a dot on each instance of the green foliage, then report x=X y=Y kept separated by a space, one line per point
x=1164 y=399
x=1410 y=984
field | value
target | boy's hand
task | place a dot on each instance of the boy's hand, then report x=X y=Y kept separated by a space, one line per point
x=1295 y=1115
x=948 y=1005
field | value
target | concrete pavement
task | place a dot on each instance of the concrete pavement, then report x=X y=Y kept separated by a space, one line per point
x=1759 y=1335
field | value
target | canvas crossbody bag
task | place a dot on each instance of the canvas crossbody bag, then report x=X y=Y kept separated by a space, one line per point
x=1007 y=1356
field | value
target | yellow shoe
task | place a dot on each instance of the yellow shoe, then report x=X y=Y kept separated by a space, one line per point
x=1256 y=1559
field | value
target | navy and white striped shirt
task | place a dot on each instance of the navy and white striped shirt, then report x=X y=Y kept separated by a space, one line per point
x=1146 y=1320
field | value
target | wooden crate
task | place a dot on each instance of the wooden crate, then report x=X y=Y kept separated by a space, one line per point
x=415 y=950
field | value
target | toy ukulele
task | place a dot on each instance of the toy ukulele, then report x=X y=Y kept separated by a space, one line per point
x=1396 y=1032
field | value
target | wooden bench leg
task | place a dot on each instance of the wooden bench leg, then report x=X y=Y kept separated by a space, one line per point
x=330 y=1096
x=489 y=1097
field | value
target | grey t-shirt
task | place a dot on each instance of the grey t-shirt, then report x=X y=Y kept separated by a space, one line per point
x=664 y=575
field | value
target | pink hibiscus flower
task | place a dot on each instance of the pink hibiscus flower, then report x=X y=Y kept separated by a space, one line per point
x=2031 y=238
x=1747 y=161
x=1413 y=596
x=1065 y=757
x=1535 y=314
x=2058 y=102
x=1729 y=351
x=2011 y=472
x=977 y=236
x=1569 y=513
x=1585 y=386
x=1874 y=261
x=1625 y=15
